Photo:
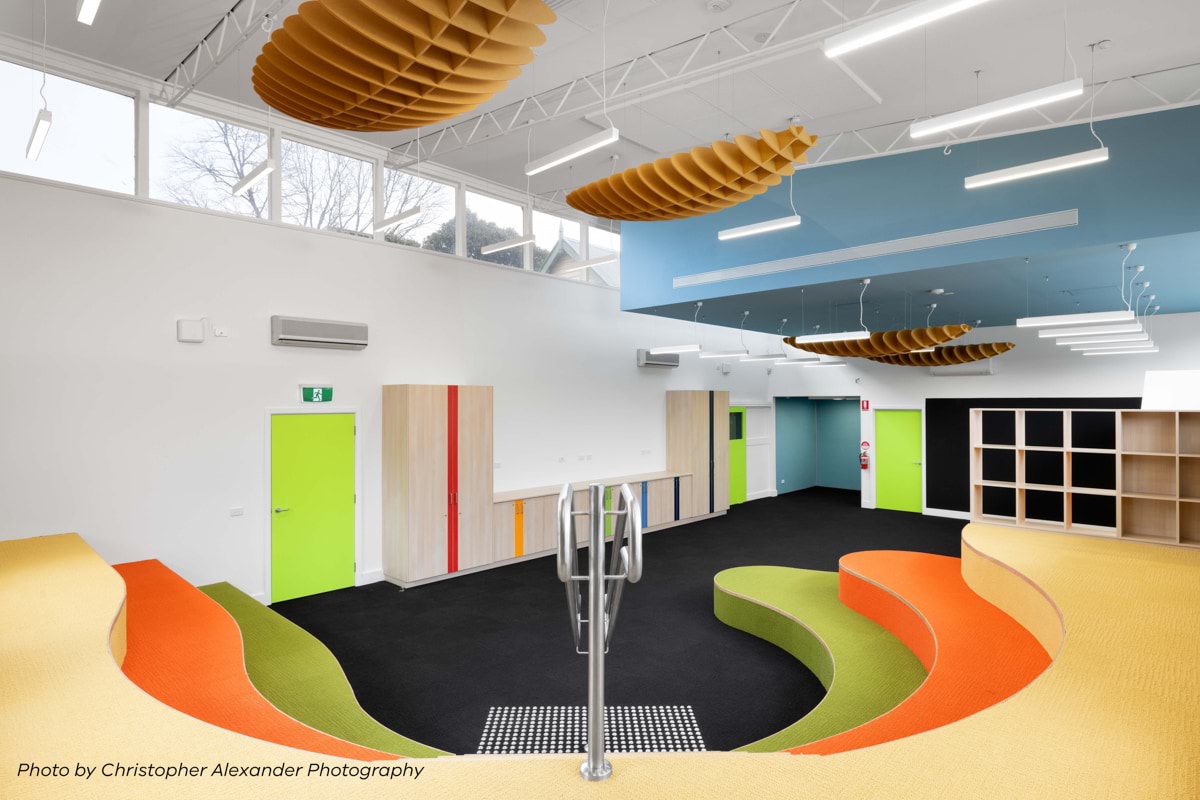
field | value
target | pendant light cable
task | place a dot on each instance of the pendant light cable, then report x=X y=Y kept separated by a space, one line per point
x=604 y=65
x=865 y=283
x=45 y=35
x=1092 y=112
x=1067 y=48
x=782 y=322
x=742 y=329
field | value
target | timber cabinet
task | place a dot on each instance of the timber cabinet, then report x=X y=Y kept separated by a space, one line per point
x=437 y=480
x=698 y=444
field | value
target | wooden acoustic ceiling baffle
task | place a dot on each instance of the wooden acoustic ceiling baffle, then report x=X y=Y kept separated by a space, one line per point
x=700 y=181
x=389 y=65
x=887 y=343
x=948 y=356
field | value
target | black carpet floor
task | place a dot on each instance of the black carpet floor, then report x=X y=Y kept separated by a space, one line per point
x=429 y=662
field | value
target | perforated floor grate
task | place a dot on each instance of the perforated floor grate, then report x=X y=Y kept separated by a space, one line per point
x=563 y=729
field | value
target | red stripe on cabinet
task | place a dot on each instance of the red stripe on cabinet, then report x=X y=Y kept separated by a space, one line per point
x=452 y=479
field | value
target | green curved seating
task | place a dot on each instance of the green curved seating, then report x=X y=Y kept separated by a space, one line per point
x=866 y=671
x=300 y=677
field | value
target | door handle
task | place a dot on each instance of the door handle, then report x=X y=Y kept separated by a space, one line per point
x=917 y=463
x=281 y=510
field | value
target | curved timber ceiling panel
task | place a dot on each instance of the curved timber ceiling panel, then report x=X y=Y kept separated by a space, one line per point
x=388 y=65
x=948 y=356
x=700 y=181
x=887 y=343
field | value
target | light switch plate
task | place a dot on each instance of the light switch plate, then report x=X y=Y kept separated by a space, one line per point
x=189 y=330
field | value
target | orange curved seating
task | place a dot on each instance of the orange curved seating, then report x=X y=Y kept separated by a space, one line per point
x=976 y=654
x=184 y=650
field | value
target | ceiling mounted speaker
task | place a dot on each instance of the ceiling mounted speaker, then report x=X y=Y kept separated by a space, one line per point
x=389 y=65
x=888 y=343
x=700 y=181
x=948 y=356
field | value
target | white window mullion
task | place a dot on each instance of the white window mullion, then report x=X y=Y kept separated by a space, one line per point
x=380 y=200
x=275 y=151
x=141 y=147
x=460 y=220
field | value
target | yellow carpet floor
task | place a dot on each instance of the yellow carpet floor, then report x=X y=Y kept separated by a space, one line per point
x=1117 y=715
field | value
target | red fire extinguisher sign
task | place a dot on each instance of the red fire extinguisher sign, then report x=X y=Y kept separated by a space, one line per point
x=866 y=405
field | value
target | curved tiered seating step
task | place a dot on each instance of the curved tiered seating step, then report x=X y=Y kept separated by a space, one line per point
x=300 y=677
x=184 y=650
x=976 y=654
x=865 y=670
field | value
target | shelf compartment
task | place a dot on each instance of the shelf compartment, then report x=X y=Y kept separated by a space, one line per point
x=1094 y=430
x=1189 y=433
x=1000 y=465
x=1043 y=429
x=1149 y=475
x=1149 y=520
x=1045 y=507
x=999 y=427
x=1189 y=478
x=998 y=502
x=1189 y=523
x=1148 y=432
x=1091 y=511
x=1044 y=467
x=1093 y=470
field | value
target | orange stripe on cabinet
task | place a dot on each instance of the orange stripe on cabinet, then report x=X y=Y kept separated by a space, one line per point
x=519 y=527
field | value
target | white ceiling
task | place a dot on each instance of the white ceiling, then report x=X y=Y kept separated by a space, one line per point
x=1018 y=45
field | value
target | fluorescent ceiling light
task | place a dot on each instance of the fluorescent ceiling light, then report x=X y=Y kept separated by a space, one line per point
x=507 y=244
x=844 y=336
x=1121 y=352
x=577 y=266
x=800 y=362
x=724 y=353
x=1116 y=337
x=790 y=221
x=1114 y=346
x=776 y=357
x=1099 y=330
x=674 y=348
x=41 y=128
x=565 y=154
x=997 y=108
x=256 y=176
x=827 y=364
x=85 y=12
x=1124 y=315
x=384 y=224
x=914 y=16
x=1094 y=156
x=923 y=350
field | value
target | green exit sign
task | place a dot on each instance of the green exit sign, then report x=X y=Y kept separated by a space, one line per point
x=316 y=394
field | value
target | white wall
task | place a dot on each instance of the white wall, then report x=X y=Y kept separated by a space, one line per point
x=111 y=428
x=1036 y=368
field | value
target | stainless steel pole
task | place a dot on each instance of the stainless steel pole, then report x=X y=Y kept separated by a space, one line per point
x=596 y=768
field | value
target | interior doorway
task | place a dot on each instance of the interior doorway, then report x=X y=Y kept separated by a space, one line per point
x=816 y=443
x=898 y=460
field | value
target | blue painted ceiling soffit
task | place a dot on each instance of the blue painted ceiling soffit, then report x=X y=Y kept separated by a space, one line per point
x=1149 y=189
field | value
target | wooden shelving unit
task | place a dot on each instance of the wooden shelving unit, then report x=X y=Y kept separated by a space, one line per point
x=1123 y=474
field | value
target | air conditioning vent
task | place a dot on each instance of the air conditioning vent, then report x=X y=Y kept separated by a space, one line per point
x=646 y=359
x=303 y=332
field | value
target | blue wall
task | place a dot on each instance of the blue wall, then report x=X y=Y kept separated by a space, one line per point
x=795 y=444
x=838 y=437
x=1146 y=189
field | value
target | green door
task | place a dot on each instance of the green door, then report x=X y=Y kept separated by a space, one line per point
x=737 y=455
x=898 y=460
x=312 y=504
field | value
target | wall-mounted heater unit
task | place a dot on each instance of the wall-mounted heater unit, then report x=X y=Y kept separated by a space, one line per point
x=303 y=332
x=648 y=359
x=985 y=367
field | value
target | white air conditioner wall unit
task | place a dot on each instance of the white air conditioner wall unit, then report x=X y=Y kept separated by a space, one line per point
x=305 y=332
x=647 y=359
x=985 y=367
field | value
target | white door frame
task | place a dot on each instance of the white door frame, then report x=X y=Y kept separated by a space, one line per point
x=268 y=509
x=868 y=435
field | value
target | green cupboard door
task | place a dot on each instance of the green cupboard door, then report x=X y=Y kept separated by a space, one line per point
x=312 y=504
x=898 y=460
x=737 y=455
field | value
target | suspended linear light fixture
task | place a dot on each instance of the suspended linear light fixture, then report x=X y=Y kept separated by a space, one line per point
x=390 y=222
x=682 y=348
x=44 y=119
x=573 y=151
x=1099 y=330
x=1082 y=159
x=1094 y=340
x=827 y=364
x=507 y=244
x=1114 y=346
x=766 y=226
x=913 y=16
x=86 y=10
x=770 y=357
x=1129 y=352
x=254 y=178
x=797 y=362
x=738 y=353
x=1124 y=315
x=997 y=108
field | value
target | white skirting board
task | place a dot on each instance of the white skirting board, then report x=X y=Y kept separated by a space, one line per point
x=945 y=512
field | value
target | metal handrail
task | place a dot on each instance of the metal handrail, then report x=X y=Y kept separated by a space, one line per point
x=604 y=593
